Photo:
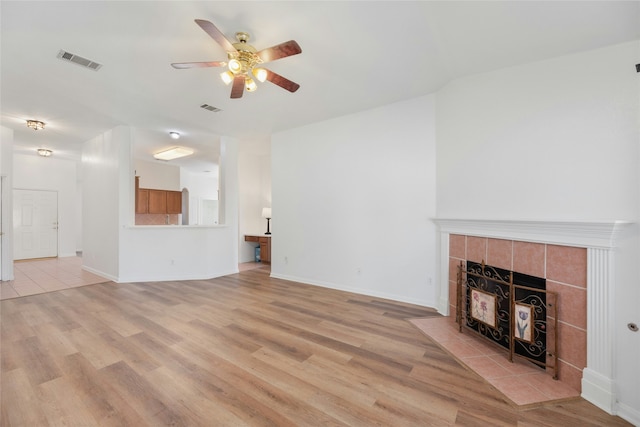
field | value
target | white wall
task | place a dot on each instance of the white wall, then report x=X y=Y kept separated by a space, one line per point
x=157 y=253
x=352 y=202
x=201 y=187
x=33 y=172
x=6 y=203
x=254 y=177
x=116 y=249
x=158 y=175
x=102 y=213
x=553 y=140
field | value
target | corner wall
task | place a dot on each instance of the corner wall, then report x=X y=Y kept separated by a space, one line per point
x=554 y=140
x=352 y=202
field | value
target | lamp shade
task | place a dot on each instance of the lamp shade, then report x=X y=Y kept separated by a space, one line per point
x=266 y=212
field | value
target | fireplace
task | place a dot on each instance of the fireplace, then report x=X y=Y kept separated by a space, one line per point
x=577 y=261
x=510 y=309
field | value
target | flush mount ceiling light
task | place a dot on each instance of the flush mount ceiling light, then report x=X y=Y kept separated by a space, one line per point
x=44 y=152
x=244 y=60
x=35 y=124
x=173 y=153
x=174 y=135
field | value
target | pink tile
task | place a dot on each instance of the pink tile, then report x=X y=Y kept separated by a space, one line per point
x=570 y=375
x=572 y=304
x=528 y=258
x=6 y=291
x=476 y=249
x=459 y=349
x=517 y=367
x=457 y=246
x=572 y=345
x=500 y=253
x=453 y=295
x=486 y=367
x=567 y=265
x=28 y=289
x=551 y=388
x=453 y=274
x=518 y=390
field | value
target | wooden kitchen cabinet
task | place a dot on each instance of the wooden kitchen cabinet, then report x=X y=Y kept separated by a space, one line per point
x=265 y=246
x=174 y=202
x=142 y=201
x=151 y=201
x=157 y=202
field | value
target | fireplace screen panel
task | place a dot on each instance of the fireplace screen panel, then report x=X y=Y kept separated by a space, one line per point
x=511 y=309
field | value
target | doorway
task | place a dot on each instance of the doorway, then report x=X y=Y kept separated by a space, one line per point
x=35 y=224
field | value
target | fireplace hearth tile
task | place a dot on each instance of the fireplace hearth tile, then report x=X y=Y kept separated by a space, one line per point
x=521 y=382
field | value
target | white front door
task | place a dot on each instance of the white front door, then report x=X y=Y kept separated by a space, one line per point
x=35 y=224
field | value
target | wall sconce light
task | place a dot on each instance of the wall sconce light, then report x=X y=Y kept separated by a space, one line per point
x=44 y=152
x=266 y=213
x=35 y=124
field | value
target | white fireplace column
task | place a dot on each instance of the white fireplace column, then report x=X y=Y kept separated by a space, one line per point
x=597 y=377
x=598 y=385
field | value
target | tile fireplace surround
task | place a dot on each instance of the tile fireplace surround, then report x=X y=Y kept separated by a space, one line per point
x=576 y=258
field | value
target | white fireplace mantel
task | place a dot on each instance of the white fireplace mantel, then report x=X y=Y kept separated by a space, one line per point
x=599 y=238
x=584 y=234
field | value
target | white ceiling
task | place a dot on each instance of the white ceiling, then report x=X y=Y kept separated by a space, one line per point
x=356 y=55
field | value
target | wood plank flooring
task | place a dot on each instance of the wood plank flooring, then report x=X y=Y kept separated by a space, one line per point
x=244 y=349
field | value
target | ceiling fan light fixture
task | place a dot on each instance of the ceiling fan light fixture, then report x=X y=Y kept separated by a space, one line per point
x=173 y=153
x=260 y=74
x=235 y=66
x=35 y=124
x=250 y=84
x=227 y=77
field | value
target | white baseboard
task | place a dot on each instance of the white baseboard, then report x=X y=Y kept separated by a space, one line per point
x=599 y=390
x=368 y=292
x=628 y=413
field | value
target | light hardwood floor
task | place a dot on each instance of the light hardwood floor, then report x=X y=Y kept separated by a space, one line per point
x=244 y=349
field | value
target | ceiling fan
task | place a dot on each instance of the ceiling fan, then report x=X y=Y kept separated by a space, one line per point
x=245 y=60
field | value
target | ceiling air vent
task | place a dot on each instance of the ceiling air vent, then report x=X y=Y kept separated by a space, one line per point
x=210 y=108
x=87 y=63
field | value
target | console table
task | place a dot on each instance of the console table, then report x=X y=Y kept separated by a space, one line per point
x=265 y=246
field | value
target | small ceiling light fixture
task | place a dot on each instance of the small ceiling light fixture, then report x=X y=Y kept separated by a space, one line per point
x=174 y=135
x=35 y=124
x=44 y=152
x=173 y=153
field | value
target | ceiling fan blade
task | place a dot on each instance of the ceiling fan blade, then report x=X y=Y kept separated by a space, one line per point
x=238 y=87
x=282 y=81
x=216 y=34
x=279 y=51
x=183 y=65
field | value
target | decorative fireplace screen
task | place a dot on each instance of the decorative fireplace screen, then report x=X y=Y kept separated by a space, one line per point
x=511 y=309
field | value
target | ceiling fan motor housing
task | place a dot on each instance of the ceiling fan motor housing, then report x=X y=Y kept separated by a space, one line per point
x=245 y=55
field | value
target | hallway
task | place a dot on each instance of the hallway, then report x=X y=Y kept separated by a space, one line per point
x=38 y=276
x=45 y=275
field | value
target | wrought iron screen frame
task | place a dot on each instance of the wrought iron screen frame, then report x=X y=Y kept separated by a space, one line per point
x=523 y=339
